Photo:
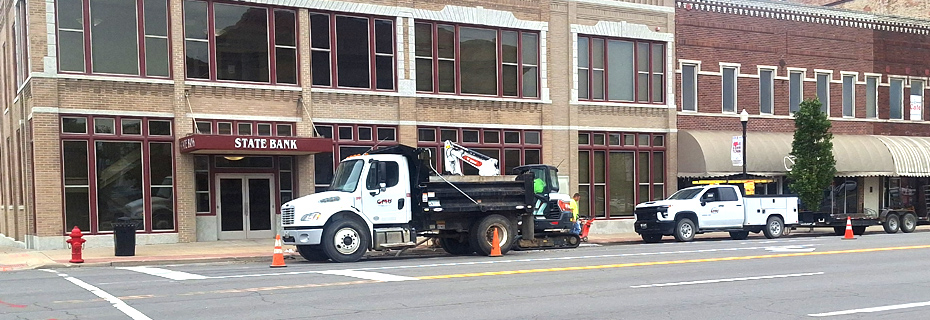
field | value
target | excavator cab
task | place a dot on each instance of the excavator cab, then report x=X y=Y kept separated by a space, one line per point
x=553 y=210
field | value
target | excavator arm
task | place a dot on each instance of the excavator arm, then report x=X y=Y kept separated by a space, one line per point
x=455 y=154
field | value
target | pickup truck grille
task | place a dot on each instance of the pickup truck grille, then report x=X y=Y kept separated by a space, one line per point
x=287 y=215
x=646 y=214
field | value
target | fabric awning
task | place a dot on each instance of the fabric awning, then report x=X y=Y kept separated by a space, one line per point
x=707 y=154
x=249 y=145
x=911 y=154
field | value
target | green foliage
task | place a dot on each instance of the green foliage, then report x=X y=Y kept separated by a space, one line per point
x=814 y=165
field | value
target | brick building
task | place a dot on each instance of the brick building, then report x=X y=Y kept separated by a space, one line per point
x=196 y=119
x=868 y=70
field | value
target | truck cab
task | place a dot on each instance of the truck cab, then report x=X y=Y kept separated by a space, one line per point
x=709 y=208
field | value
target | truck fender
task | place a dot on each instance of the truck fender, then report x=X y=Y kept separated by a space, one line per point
x=691 y=215
x=345 y=214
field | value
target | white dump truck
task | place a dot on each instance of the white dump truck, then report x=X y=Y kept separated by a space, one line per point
x=714 y=208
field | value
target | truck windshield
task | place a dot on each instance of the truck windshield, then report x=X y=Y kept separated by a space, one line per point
x=347 y=174
x=684 y=194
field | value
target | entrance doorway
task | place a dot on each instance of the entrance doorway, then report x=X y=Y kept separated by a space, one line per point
x=245 y=206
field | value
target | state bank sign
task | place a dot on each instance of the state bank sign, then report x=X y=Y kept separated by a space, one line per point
x=217 y=144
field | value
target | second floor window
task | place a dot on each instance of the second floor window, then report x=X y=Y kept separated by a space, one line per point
x=795 y=92
x=896 y=99
x=352 y=52
x=119 y=37
x=620 y=70
x=475 y=60
x=871 y=97
x=228 y=42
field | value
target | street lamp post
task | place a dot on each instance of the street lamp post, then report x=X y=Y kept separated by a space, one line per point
x=744 y=119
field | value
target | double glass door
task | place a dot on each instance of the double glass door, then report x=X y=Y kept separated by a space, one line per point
x=245 y=206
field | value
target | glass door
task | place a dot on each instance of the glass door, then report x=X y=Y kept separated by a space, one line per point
x=245 y=206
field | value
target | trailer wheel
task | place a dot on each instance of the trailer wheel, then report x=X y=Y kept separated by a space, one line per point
x=858 y=230
x=652 y=237
x=345 y=240
x=482 y=234
x=773 y=228
x=908 y=223
x=840 y=231
x=739 y=235
x=892 y=223
x=312 y=253
x=685 y=230
x=455 y=247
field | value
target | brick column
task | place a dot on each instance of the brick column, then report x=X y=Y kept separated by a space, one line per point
x=186 y=210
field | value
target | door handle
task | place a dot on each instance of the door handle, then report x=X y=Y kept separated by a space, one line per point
x=400 y=203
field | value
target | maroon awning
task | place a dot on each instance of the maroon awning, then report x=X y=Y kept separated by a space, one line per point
x=245 y=145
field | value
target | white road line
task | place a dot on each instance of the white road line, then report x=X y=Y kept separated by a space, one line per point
x=873 y=309
x=119 y=304
x=670 y=284
x=165 y=273
x=377 y=276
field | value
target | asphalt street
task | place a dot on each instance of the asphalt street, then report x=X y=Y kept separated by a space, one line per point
x=878 y=276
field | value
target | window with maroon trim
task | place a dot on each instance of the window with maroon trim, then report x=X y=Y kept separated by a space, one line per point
x=20 y=44
x=348 y=139
x=113 y=37
x=116 y=167
x=235 y=42
x=245 y=128
x=620 y=70
x=511 y=148
x=352 y=51
x=457 y=59
x=617 y=170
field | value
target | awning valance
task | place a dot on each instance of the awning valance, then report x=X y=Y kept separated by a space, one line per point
x=911 y=154
x=250 y=145
x=707 y=154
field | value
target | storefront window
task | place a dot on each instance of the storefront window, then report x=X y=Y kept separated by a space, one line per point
x=509 y=154
x=119 y=183
x=352 y=140
x=613 y=178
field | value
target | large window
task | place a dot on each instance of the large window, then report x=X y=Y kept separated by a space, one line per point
x=511 y=148
x=766 y=89
x=689 y=87
x=231 y=42
x=917 y=100
x=620 y=70
x=729 y=89
x=119 y=37
x=849 y=95
x=117 y=167
x=476 y=60
x=349 y=139
x=871 y=97
x=20 y=44
x=823 y=92
x=352 y=52
x=618 y=170
x=896 y=99
x=795 y=90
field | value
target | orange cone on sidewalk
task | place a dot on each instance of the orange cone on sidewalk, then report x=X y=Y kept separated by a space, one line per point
x=278 y=260
x=849 y=232
x=495 y=245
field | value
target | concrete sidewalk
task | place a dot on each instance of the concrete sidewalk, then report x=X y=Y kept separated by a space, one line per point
x=240 y=250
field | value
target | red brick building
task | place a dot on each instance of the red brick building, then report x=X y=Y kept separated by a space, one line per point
x=868 y=70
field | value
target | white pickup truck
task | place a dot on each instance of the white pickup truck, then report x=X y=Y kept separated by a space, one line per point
x=715 y=208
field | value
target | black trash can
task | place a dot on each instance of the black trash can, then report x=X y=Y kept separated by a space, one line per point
x=124 y=237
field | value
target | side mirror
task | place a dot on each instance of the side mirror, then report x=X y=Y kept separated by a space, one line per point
x=703 y=203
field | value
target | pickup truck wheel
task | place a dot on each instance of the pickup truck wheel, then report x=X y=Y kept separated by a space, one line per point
x=455 y=247
x=652 y=237
x=684 y=230
x=482 y=233
x=312 y=253
x=774 y=228
x=858 y=230
x=739 y=235
x=892 y=223
x=345 y=241
x=908 y=223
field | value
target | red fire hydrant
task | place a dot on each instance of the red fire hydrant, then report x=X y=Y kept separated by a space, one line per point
x=77 y=244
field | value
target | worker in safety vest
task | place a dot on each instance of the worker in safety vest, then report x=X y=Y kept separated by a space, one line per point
x=573 y=204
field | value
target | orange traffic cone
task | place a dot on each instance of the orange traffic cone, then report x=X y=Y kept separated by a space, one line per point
x=495 y=245
x=278 y=260
x=849 y=232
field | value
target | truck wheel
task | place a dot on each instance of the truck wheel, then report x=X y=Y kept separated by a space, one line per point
x=455 y=247
x=908 y=223
x=652 y=237
x=892 y=223
x=345 y=241
x=739 y=235
x=482 y=234
x=774 y=228
x=312 y=253
x=858 y=230
x=684 y=230
x=840 y=231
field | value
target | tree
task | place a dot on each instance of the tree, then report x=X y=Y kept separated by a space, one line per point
x=812 y=148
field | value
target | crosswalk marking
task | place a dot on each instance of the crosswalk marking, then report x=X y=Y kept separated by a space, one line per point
x=165 y=273
x=368 y=275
